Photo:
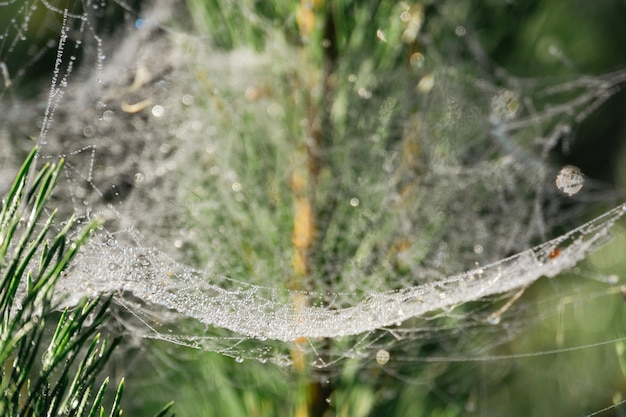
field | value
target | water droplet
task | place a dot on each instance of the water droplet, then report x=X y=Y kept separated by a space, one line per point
x=382 y=357
x=494 y=319
x=108 y=115
x=426 y=84
x=239 y=359
x=364 y=93
x=381 y=35
x=417 y=60
x=478 y=249
x=158 y=111
x=354 y=202
x=570 y=180
x=187 y=99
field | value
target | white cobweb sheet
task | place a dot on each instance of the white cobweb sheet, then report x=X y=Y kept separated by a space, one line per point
x=157 y=127
x=121 y=262
x=253 y=312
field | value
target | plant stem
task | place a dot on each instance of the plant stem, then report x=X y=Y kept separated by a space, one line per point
x=311 y=216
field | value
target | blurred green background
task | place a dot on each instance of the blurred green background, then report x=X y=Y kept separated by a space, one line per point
x=542 y=39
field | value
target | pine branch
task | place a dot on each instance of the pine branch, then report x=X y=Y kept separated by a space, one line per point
x=30 y=266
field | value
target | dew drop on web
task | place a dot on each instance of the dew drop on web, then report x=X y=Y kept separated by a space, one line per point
x=382 y=357
x=570 y=180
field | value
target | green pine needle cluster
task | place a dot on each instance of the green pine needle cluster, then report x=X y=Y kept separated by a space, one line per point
x=43 y=375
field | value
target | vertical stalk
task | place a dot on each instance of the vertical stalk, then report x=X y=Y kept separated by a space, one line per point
x=314 y=18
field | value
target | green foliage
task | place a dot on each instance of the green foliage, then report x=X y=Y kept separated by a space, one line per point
x=367 y=81
x=371 y=69
x=40 y=377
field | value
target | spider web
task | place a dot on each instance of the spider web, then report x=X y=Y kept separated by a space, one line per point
x=182 y=150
